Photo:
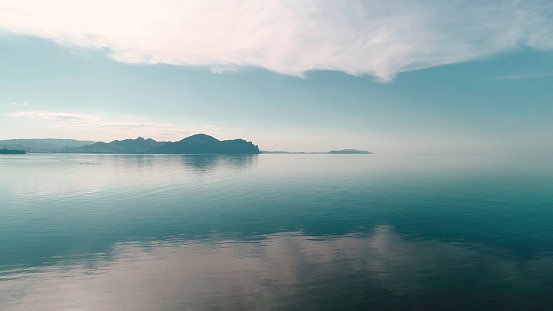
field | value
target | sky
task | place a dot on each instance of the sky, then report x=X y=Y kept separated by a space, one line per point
x=385 y=76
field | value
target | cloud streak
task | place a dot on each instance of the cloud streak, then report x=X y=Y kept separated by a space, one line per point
x=376 y=37
x=14 y=104
x=78 y=121
x=61 y=116
x=524 y=76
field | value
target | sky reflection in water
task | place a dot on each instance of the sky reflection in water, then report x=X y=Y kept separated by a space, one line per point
x=280 y=271
x=101 y=232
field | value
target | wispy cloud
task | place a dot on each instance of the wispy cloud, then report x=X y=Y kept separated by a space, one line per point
x=376 y=37
x=78 y=121
x=524 y=76
x=56 y=116
x=14 y=104
x=211 y=127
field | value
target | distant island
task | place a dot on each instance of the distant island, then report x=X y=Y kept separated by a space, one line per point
x=344 y=151
x=10 y=151
x=349 y=151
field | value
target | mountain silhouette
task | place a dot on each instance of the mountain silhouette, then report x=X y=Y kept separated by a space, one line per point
x=139 y=145
x=43 y=144
x=205 y=144
x=195 y=144
x=199 y=138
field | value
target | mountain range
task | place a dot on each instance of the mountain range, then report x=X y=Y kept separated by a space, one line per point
x=195 y=144
x=44 y=145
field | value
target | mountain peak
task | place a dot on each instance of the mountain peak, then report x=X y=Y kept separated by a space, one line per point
x=199 y=138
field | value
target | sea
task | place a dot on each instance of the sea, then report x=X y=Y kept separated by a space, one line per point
x=95 y=232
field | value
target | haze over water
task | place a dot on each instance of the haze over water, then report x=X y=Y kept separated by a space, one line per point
x=275 y=232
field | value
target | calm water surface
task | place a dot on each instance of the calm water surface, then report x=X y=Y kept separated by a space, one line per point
x=275 y=232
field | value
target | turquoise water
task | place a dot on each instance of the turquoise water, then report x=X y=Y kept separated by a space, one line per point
x=275 y=232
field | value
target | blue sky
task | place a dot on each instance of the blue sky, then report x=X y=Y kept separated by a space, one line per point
x=406 y=77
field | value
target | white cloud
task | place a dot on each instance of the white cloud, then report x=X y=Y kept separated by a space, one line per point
x=376 y=37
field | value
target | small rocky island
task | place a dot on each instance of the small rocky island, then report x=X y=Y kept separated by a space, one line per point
x=343 y=151
x=349 y=151
x=11 y=151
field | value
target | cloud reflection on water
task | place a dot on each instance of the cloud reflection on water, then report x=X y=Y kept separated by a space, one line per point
x=282 y=271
